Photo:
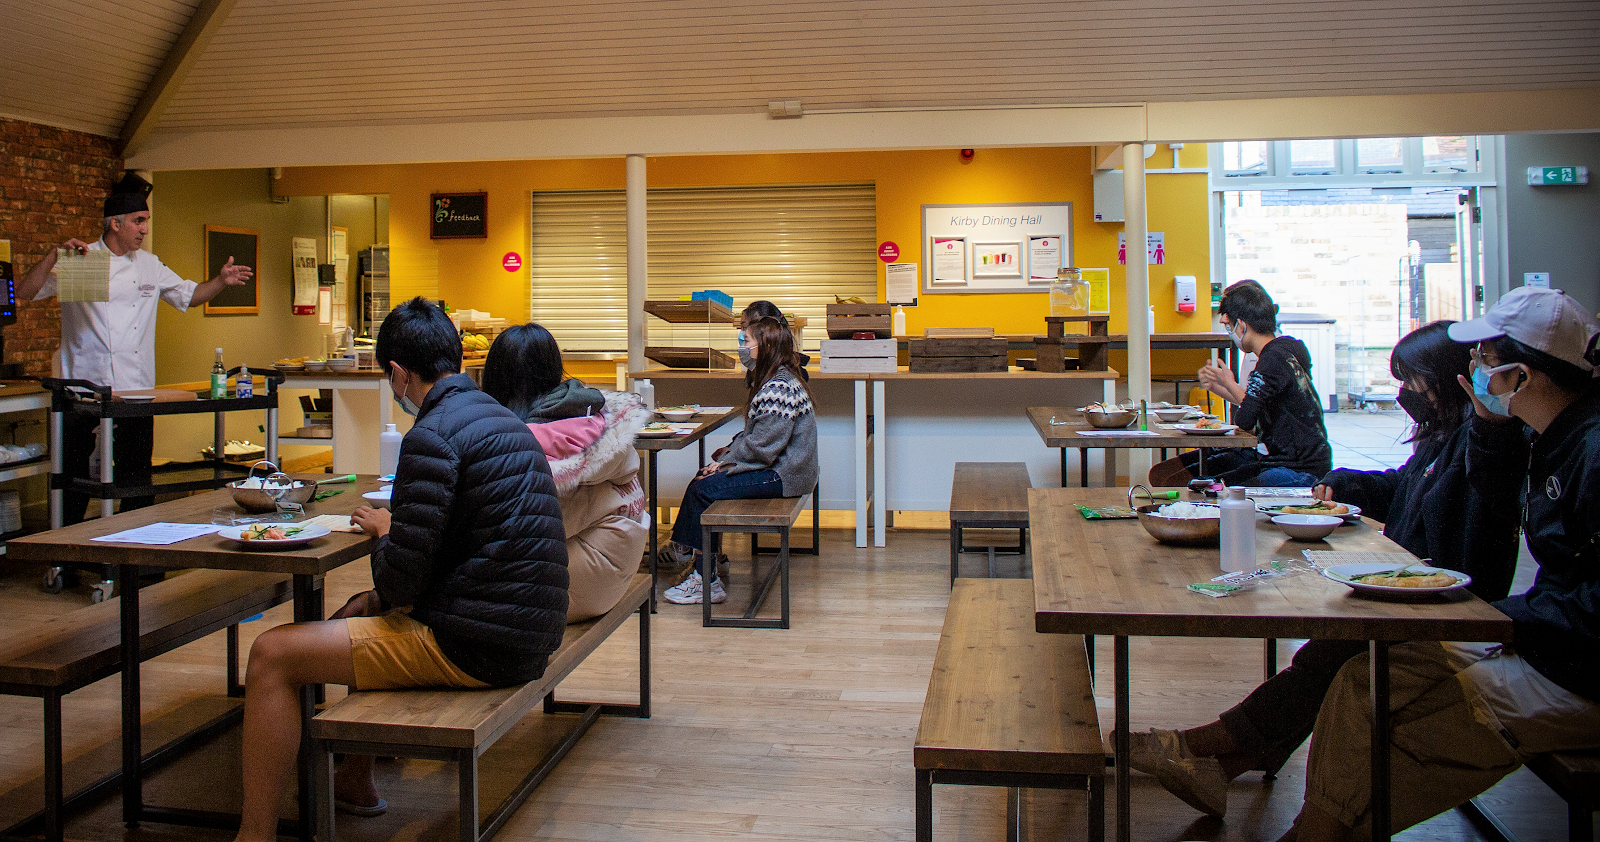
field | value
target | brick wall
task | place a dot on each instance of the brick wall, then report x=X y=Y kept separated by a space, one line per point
x=53 y=183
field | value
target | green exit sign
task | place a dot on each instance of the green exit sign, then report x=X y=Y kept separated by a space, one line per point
x=1544 y=176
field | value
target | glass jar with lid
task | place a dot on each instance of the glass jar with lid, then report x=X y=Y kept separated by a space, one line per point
x=1069 y=293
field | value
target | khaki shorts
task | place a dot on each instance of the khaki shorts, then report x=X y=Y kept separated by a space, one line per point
x=393 y=651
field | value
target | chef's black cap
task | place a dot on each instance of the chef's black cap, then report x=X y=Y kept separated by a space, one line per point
x=129 y=195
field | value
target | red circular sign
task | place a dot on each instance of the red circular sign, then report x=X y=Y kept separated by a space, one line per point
x=512 y=261
x=888 y=252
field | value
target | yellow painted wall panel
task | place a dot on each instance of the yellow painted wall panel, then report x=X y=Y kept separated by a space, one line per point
x=470 y=273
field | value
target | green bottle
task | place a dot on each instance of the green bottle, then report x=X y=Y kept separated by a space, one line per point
x=219 y=378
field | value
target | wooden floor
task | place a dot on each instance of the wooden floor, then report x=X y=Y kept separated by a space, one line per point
x=757 y=734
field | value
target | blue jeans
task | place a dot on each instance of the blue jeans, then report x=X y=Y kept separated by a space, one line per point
x=702 y=492
x=1285 y=478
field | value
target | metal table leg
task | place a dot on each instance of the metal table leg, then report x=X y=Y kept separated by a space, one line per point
x=1063 y=452
x=654 y=528
x=1122 y=749
x=1379 y=810
x=1083 y=467
x=132 y=771
x=307 y=608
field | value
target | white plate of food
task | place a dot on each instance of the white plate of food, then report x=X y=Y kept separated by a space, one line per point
x=1207 y=428
x=274 y=535
x=657 y=431
x=677 y=413
x=1397 y=580
x=1350 y=513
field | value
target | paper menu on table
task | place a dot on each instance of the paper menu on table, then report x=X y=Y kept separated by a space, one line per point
x=160 y=533
x=83 y=277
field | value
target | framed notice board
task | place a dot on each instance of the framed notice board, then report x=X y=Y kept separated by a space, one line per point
x=244 y=246
x=460 y=216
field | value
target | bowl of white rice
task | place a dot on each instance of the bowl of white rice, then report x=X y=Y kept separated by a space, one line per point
x=1182 y=523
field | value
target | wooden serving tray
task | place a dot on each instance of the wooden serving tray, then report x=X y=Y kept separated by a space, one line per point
x=691 y=312
x=690 y=357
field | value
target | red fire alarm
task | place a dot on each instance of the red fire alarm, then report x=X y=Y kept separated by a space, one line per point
x=966 y=155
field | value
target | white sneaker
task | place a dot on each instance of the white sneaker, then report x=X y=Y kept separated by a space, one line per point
x=1149 y=750
x=1197 y=781
x=691 y=592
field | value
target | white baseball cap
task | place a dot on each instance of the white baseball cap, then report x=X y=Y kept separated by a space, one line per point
x=1546 y=320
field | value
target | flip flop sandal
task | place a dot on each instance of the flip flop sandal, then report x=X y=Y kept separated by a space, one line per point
x=353 y=809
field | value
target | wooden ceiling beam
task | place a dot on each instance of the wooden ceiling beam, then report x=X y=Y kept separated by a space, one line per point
x=190 y=46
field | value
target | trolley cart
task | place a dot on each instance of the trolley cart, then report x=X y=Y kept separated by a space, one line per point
x=83 y=398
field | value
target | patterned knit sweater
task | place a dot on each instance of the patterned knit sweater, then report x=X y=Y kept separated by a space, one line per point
x=780 y=434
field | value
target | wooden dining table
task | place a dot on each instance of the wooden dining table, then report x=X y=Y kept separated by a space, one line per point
x=1063 y=427
x=1110 y=577
x=306 y=565
x=705 y=423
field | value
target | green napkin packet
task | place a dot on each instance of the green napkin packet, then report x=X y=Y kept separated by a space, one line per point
x=1106 y=512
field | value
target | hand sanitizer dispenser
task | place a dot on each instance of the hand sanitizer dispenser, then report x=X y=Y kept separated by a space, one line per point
x=1185 y=289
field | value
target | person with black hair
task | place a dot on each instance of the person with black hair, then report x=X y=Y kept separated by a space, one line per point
x=1455 y=501
x=113 y=342
x=763 y=309
x=774 y=456
x=1465 y=715
x=469 y=571
x=1279 y=403
x=587 y=436
x=524 y=373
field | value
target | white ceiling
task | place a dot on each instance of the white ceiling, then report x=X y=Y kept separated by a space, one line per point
x=310 y=64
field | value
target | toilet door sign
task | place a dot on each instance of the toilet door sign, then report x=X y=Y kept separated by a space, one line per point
x=1155 y=248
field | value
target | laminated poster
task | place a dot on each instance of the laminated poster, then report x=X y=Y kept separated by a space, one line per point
x=997 y=259
x=1044 y=258
x=950 y=260
x=900 y=284
x=305 y=271
x=1099 y=291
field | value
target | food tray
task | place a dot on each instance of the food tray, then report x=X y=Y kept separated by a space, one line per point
x=690 y=357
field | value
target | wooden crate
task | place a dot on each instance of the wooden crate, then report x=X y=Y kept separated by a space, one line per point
x=845 y=320
x=958 y=354
x=859 y=356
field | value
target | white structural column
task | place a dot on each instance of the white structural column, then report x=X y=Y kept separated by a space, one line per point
x=1138 y=294
x=638 y=261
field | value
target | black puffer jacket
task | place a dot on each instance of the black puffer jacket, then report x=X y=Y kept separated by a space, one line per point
x=475 y=544
x=1457 y=501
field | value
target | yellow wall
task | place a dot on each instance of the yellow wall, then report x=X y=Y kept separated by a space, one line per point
x=470 y=274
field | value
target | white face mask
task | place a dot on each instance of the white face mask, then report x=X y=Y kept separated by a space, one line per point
x=407 y=405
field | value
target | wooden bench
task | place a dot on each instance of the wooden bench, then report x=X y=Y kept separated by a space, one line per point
x=772 y=515
x=1007 y=706
x=65 y=653
x=1575 y=776
x=460 y=725
x=988 y=495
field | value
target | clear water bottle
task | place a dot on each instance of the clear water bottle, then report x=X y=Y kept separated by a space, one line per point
x=244 y=386
x=389 y=450
x=1238 y=531
x=219 y=378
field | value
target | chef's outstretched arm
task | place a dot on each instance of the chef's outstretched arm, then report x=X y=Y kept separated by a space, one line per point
x=232 y=275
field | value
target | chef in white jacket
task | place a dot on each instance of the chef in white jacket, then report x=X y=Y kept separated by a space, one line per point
x=112 y=343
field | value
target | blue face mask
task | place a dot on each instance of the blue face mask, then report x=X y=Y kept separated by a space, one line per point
x=1496 y=404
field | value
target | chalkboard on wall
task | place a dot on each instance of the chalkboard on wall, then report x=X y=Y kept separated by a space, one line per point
x=460 y=216
x=244 y=246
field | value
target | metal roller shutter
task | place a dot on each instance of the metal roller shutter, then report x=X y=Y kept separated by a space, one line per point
x=796 y=246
